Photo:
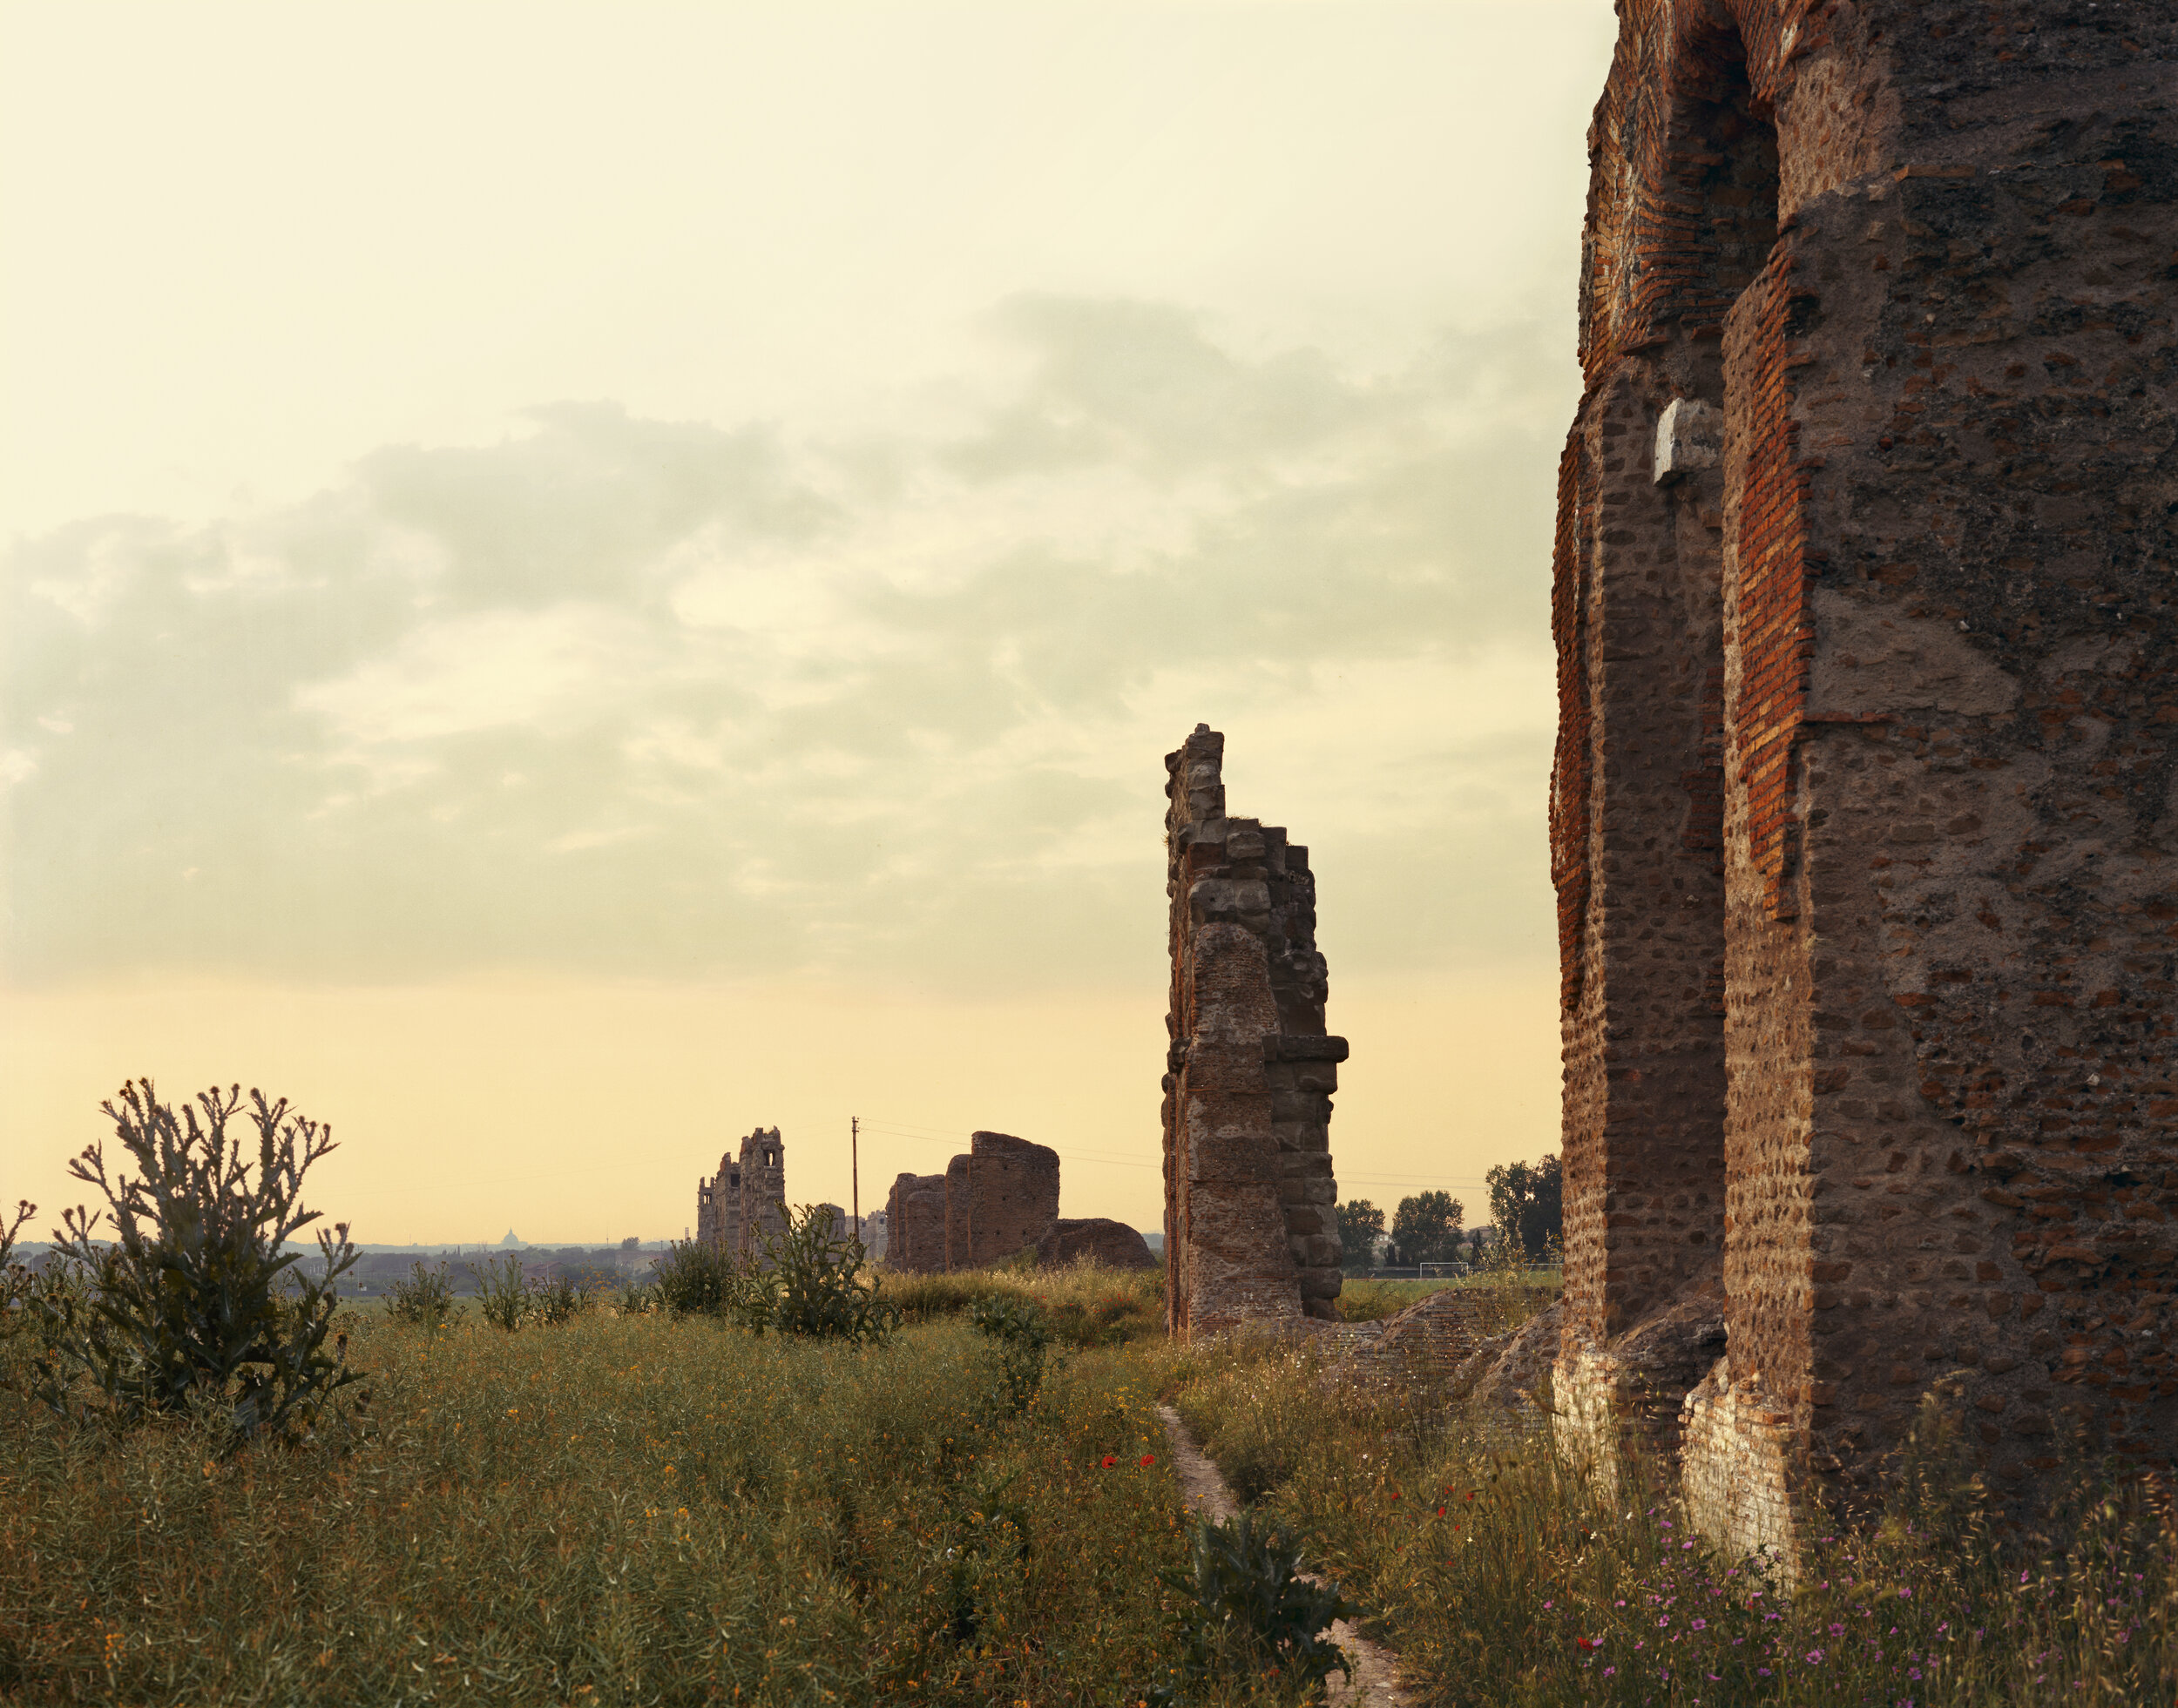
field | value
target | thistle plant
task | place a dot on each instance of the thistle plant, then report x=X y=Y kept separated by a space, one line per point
x=197 y=1302
x=425 y=1299
x=504 y=1299
x=1248 y=1598
x=811 y=1285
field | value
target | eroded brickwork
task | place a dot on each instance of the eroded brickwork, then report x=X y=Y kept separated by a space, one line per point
x=1094 y=1240
x=1013 y=1195
x=1887 y=1064
x=1250 y=1232
x=745 y=1202
x=997 y=1199
x=915 y=1224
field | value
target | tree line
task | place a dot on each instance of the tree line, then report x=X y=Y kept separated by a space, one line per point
x=1526 y=1202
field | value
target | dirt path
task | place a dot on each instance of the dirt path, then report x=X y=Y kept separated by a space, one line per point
x=1377 y=1683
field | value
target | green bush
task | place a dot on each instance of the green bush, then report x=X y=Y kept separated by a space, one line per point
x=197 y=1303
x=557 y=1299
x=693 y=1279
x=426 y=1298
x=500 y=1292
x=1245 y=1593
x=812 y=1286
x=1024 y=1340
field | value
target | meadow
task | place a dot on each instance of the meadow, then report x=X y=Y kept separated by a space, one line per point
x=1503 y=1578
x=636 y=1508
x=623 y=1509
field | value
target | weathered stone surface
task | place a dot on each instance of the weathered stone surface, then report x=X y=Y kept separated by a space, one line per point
x=915 y=1224
x=959 y=1242
x=1248 y=1109
x=999 y=1197
x=1094 y=1240
x=745 y=1201
x=1862 y=816
x=1013 y=1195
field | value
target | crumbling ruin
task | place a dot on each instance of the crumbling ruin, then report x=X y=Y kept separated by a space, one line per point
x=1864 y=816
x=1251 y=1233
x=745 y=1202
x=997 y=1199
x=1093 y=1239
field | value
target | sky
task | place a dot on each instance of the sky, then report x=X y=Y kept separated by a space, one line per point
x=578 y=579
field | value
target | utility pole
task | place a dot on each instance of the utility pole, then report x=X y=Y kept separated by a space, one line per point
x=855 y=1173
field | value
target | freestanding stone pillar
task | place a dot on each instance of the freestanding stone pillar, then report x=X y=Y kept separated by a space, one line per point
x=1251 y=1232
x=1864 y=819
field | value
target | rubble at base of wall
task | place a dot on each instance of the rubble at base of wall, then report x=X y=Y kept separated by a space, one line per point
x=1735 y=1469
x=1450 y=1341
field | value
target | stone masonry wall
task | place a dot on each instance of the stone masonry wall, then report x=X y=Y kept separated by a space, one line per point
x=1013 y=1195
x=1250 y=1233
x=745 y=1200
x=1866 y=530
x=915 y=1224
x=763 y=1191
x=999 y=1197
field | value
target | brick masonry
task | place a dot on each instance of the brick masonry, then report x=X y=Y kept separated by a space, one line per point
x=915 y=1224
x=1864 y=814
x=1094 y=1240
x=1250 y=1230
x=745 y=1201
x=996 y=1200
x=1013 y=1195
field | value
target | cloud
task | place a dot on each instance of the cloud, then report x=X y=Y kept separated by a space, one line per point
x=664 y=698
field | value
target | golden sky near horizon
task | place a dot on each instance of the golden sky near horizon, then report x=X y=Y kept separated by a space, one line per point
x=575 y=579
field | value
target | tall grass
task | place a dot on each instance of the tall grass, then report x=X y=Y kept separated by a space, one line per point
x=1503 y=1578
x=1085 y=1304
x=627 y=1509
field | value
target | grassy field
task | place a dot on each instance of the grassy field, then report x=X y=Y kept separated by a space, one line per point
x=1505 y=1580
x=1361 y=1300
x=640 y=1509
x=624 y=1509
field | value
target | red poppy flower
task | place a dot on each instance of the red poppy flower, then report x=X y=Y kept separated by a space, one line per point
x=1440 y=1512
x=1110 y=1460
x=1471 y=1494
x=1395 y=1494
x=1149 y=1459
x=1589 y=1642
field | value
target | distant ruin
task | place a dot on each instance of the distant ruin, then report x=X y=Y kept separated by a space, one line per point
x=738 y=1208
x=1864 y=813
x=1251 y=1232
x=997 y=1200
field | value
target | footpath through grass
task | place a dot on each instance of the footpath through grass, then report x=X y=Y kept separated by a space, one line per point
x=624 y=1509
x=1502 y=1578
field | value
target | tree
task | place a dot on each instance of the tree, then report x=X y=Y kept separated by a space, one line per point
x=1360 y=1225
x=1425 y=1227
x=1528 y=1200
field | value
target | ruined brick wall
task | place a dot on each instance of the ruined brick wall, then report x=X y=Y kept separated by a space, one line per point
x=762 y=1169
x=719 y=1207
x=1250 y=1232
x=960 y=1246
x=998 y=1197
x=1012 y=1190
x=1093 y=1239
x=1922 y=262
x=915 y=1224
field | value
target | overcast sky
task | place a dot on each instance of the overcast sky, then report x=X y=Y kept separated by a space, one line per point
x=621 y=514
